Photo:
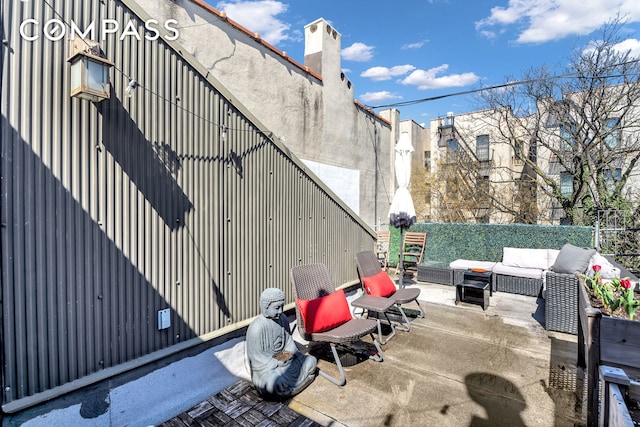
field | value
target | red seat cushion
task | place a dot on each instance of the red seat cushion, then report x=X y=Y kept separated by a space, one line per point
x=324 y=313
x=379 y=285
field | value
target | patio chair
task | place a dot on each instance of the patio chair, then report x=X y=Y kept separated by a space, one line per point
x=382 y=248
x=412 y=252
x=377 y=282
x=322 y=315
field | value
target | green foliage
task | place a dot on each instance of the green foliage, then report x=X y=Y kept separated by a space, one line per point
x=447 y=242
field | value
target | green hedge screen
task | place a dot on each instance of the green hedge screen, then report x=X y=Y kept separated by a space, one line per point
x=447 y=242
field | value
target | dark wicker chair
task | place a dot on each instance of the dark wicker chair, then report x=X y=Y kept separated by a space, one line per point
x=561 y=303
x=368 y=266
x=313 y=281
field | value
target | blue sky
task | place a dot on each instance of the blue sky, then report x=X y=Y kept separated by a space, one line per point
x=429 y=48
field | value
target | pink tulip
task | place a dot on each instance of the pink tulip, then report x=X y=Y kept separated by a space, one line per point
x=597 y=268
x=625 y=283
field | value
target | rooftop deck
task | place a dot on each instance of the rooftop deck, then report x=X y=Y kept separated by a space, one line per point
x=458 y=366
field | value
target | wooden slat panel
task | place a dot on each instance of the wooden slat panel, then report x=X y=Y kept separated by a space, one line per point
x=620 y=342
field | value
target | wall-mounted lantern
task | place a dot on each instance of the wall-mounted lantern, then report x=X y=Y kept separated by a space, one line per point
x=89 y=70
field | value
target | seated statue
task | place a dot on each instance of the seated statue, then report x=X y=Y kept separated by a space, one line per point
x=278 y=368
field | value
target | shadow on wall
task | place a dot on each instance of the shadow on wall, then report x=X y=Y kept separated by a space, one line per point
x=151 y=167
x=148 y=165
x=73 y=302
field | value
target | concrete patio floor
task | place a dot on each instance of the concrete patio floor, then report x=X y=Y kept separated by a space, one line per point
x=458 y=366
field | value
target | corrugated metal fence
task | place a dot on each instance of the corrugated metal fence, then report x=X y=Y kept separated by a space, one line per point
x=172 y=198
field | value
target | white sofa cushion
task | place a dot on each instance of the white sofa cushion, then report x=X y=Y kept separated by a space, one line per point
x=508 y=270
x=526 y=258
x=552 y=254
x=467 y=264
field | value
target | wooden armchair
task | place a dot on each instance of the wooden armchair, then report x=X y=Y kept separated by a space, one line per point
x=412 y=252
x=382 y=249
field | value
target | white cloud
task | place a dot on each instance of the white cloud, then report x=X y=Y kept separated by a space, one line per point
x=384 y=73
x=488 y=34
x=629 y=45
x=547 y=20
x=416 y=45
x=259 y=16
x=358 y=52
x=428 y=79
x=379 y=96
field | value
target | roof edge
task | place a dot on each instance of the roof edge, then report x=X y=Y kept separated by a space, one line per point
x=256 y=36
x=370 y=112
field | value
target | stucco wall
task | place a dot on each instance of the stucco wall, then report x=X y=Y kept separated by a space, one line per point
x=313 y=114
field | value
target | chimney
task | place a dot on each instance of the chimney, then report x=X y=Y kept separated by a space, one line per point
x=322 y=48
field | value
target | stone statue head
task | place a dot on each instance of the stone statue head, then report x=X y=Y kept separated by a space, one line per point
x=271 y=303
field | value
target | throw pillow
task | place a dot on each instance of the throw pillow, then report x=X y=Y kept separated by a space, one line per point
x=379 y=285
x=572 y=260
x=324 y=313
x=607 y=270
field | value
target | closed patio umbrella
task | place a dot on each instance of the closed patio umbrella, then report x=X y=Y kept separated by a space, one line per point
x=402 y=214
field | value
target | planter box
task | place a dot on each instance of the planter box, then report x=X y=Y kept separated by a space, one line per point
x=615 y=386
x=603 y=340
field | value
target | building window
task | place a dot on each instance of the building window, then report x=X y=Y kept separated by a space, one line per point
x=483 y=188
x=482 y=147
x=452 y=150
x=518 y=149
x=533 y=151
x=554 y=166
x=568 y=137
x=566 y=184
x=612 y=177
x=612 y=132
x=427 y=160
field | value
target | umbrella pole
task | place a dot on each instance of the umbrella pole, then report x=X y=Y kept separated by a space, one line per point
x=400 y=263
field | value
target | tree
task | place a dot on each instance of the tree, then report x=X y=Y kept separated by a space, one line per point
x=574 y=139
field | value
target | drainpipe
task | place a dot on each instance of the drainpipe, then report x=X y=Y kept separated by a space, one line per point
x=375 y=168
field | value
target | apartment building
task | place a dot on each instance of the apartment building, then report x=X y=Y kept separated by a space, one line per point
x=500 y=167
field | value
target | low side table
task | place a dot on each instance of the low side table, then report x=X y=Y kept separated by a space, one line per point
x=475 y=288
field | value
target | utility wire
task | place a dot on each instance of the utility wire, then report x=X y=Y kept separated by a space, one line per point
x=500 y=86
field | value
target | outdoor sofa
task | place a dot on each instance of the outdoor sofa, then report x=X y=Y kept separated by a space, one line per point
x=550 y=273
x=521 y=270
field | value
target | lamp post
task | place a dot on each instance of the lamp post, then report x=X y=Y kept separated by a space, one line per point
x=89 y=71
